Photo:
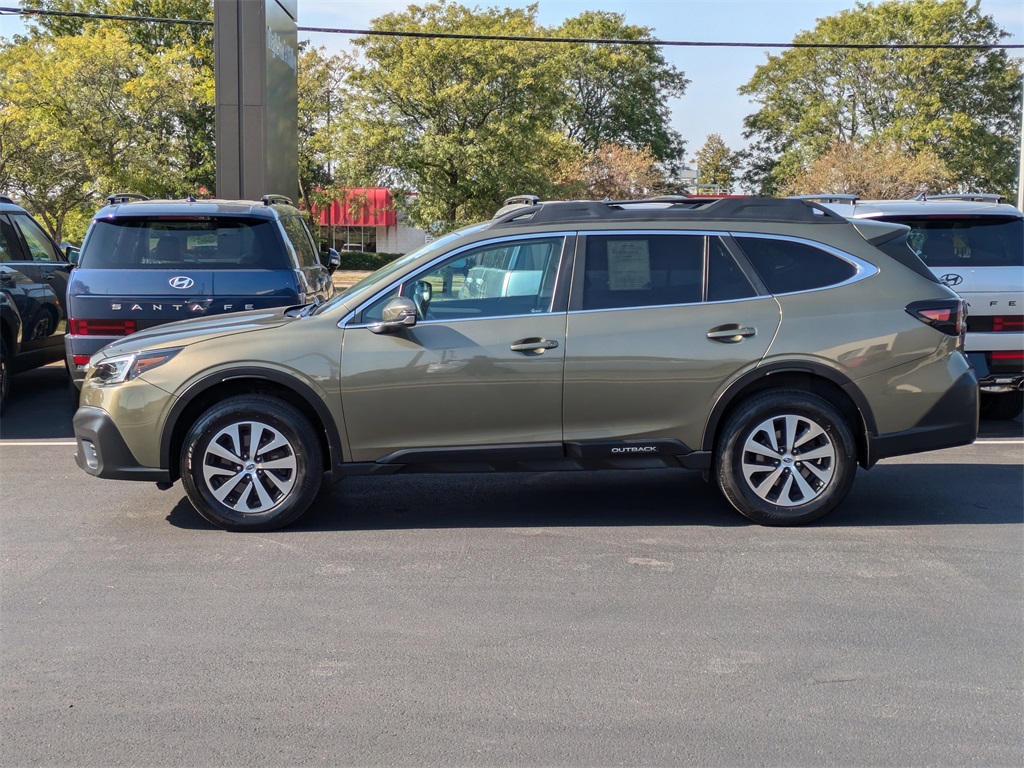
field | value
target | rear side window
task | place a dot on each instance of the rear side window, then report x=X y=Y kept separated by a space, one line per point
x=643 y=270
x=301 y=240
x=194 y=243
x=964 y=241
x=786 y=266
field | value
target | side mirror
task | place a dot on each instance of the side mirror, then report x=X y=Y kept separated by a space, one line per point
x=333 y=260
x=398 y=313
x=72 y=253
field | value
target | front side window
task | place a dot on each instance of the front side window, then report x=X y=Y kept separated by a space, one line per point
x=787 y=266
x=643 y=270
x=40 y=247
x=183 y=243
x=511 y=277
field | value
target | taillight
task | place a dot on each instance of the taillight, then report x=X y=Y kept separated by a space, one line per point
x=1006 y=357
x=102 y=327
x=1008 y=323
x=946 y=315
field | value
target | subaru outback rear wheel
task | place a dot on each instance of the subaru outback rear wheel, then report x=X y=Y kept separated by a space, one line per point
x=785 y=457
x=251 y=463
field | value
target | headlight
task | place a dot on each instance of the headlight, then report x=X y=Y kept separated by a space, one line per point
x=117 y=370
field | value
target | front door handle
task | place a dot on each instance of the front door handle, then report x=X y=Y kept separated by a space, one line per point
x=533 y=345
x=730 y=334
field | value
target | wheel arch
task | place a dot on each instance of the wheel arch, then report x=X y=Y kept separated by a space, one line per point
x=818 y=379
x=201 y=395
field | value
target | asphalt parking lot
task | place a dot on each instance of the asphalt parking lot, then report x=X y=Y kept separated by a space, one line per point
x=537 y=619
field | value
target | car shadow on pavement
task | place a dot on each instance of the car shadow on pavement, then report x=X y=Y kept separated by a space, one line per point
x=39 y=405
x=911 y=494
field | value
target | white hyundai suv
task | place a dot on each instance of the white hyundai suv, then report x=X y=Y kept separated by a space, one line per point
x=974 y=243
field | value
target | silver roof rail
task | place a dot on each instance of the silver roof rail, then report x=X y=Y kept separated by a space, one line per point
x=837 y=198
x=124 y=197
x=976 y=197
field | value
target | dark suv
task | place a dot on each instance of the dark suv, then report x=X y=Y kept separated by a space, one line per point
x=148 y=262
x=33 y=283
x=771 y=344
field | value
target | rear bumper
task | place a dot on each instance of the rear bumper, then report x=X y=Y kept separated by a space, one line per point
x=989 y=381
x=952 y=421
x=102 y=452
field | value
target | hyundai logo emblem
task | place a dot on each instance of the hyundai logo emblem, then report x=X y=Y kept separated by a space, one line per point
x=181 y=282
x=951 y=279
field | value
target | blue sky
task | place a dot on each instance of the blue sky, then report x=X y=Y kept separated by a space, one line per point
x=711 y=104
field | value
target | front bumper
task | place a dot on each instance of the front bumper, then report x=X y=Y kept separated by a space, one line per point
x=102 y=451
x=952 y=421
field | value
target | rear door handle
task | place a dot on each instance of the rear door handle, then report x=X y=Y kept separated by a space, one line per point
x=533 y=345
x=730 y=334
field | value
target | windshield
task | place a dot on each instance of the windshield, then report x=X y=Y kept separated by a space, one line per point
x=966 y=241
x=384 y=272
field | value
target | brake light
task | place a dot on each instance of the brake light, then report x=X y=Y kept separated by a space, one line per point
x=1007 y=356
x=946 y=315
x=1008 y=323
x=102 y=327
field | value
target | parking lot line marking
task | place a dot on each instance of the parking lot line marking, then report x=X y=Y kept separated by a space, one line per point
x=64 y=443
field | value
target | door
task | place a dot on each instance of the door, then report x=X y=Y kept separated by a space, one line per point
x=659 y=324
x=35 y=273
x=482 y=367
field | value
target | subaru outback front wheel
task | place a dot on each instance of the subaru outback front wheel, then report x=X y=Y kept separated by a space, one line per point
x=251 y=463
x=785 y=457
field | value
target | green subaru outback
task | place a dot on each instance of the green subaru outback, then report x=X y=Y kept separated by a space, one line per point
x=772 y=345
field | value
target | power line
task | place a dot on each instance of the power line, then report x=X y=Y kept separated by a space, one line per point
x=536 y=39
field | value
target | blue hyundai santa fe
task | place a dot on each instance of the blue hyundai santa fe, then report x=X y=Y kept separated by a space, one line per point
x=148 y=262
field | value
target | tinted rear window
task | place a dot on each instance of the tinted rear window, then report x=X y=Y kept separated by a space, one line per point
x=963 y=241
x=209 y=243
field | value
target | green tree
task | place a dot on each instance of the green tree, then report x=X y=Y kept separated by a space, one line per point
x=323 y=101
x=465 y=123
x=716 y=164
x=964 y=103
x=193 y=126
x=617 y=94
x=89 y=114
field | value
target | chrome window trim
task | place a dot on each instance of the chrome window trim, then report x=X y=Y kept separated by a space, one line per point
x=564 y=234
x=763 y=297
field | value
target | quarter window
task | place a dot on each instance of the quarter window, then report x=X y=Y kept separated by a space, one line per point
x=786 y=266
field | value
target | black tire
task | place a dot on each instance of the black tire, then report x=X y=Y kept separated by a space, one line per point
x=761 y=463
x=1001 y=406
x=240 y=489
x=5 y=374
